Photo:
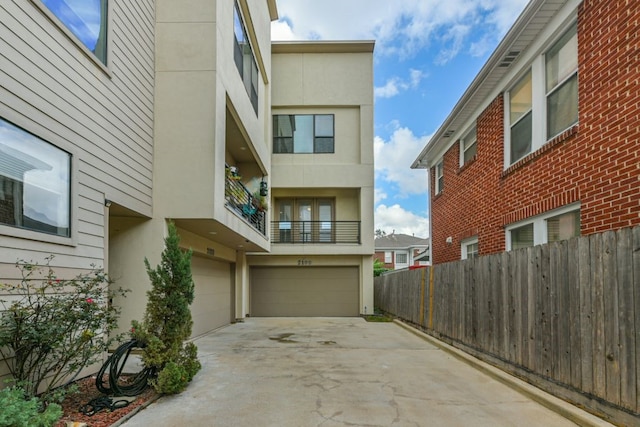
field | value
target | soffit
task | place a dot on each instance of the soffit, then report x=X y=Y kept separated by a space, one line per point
x=526 y=29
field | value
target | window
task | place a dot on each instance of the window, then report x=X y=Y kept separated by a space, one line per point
x=306 y=133
x=560 y=224
x=561 y=63
x=563 y=227
x=468 y=146
x=522 y=237
x=401 y=258
x=35 y=184
x=470 y=248
x=439 y=177
x=520 y=118
x=387 y=257
x=86 y=19
x=305 y=220
x=544 y=102
x=244 y=59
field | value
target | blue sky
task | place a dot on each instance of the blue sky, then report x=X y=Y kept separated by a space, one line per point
x=427 y=52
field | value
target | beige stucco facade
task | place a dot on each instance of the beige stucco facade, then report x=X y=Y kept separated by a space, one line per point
x=155 y=131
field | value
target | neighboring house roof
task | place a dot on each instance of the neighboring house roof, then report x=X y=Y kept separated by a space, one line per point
x=530 y=23
x=399 y=241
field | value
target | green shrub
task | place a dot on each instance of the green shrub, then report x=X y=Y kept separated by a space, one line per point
x=167 y=319
x=20 y=411
x=172 y=379
x=54 y=327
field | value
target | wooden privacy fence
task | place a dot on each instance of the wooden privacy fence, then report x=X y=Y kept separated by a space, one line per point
x=565 y=315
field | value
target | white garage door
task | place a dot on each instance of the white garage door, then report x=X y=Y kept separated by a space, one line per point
x=307 y=291
x=212 y=304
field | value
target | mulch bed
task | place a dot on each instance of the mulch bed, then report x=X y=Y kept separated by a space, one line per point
x=86 y=391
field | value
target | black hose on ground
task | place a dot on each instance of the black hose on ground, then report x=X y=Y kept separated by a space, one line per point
x=131 y=386
x=134 y=385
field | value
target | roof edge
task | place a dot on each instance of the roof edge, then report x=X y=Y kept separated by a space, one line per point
x=323 y=46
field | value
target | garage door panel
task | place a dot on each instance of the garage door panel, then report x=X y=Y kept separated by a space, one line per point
x=319 y=291
x=211 y=307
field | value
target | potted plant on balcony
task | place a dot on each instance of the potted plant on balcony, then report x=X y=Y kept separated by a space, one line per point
x=260 y=202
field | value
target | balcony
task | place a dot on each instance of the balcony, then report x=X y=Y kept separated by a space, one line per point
x=248 y=206
x=323 y=232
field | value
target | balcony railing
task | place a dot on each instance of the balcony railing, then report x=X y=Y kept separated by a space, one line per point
x=240 y=200
x=315 y=232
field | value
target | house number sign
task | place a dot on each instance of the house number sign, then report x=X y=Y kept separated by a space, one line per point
x=304 y=262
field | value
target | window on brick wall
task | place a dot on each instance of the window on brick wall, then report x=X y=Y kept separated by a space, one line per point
x=439 y=177
x=387 y=257
x=401 y=258
x=469 y=248
x=544 y=100
x=559 y=224
x=468 y=146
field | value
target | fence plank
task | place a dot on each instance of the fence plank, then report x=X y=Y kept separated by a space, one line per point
x=573 y=282
x=546 y=313
x=636 y=298
x=586 y=316
x=610 y=315
x=562 y=285
x=626 y=320
x=597 y=319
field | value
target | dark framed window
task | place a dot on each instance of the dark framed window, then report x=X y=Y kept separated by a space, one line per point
x=469 y=146
x=244 y=59
x=86 y=19
x=303 y=133
x=35 y=182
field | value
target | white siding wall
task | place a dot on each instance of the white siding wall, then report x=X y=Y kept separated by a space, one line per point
x=52 y=88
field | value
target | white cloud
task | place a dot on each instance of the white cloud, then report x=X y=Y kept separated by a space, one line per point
x=393 y=160
x=396 y=85
x=379 y=195
x=400 y=27
x=395 y=218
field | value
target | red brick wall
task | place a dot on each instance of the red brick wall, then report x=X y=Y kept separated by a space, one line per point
x=597 y=162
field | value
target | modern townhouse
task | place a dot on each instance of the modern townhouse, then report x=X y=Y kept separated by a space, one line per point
x=544 y=143
x=116 y=117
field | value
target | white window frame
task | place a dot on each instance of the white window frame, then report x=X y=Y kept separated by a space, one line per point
x=439 y=173
x=539 y=224
x=538 y=101
x=388 y=259
x=401 y=253
x=473 y=141
x=465 y=244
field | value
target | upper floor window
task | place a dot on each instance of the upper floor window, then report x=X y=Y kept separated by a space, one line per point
x=86 y=19
x=439 y=177
x=35 y=182
x=244 y=59
x=306 y=133
x=305 y=220
x=468 y=146
x=561 y=63
x=544 y=102
x=560 y=224
x=520 y=115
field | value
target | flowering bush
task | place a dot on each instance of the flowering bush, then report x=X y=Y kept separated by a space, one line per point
x=52 y=328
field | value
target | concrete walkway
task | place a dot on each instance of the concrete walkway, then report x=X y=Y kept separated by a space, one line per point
x=342 y=372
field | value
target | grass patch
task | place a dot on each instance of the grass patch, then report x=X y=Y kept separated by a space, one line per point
x=377 y=318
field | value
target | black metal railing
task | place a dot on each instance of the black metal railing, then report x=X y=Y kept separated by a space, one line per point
x=240 y=200
x=315 y=232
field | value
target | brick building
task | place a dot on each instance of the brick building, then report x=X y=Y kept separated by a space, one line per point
x=544 y=144
x=398 y=251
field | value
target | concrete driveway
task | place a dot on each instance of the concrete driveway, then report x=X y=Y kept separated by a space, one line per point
x=342 y=372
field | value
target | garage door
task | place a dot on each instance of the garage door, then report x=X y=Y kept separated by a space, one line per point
x=211 y=306
x=308 y=291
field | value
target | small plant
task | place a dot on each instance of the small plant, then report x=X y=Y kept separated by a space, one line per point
x=378 y=268
x=20 y=410
x=167 y=320
x=54 y=327
x=260 y=202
